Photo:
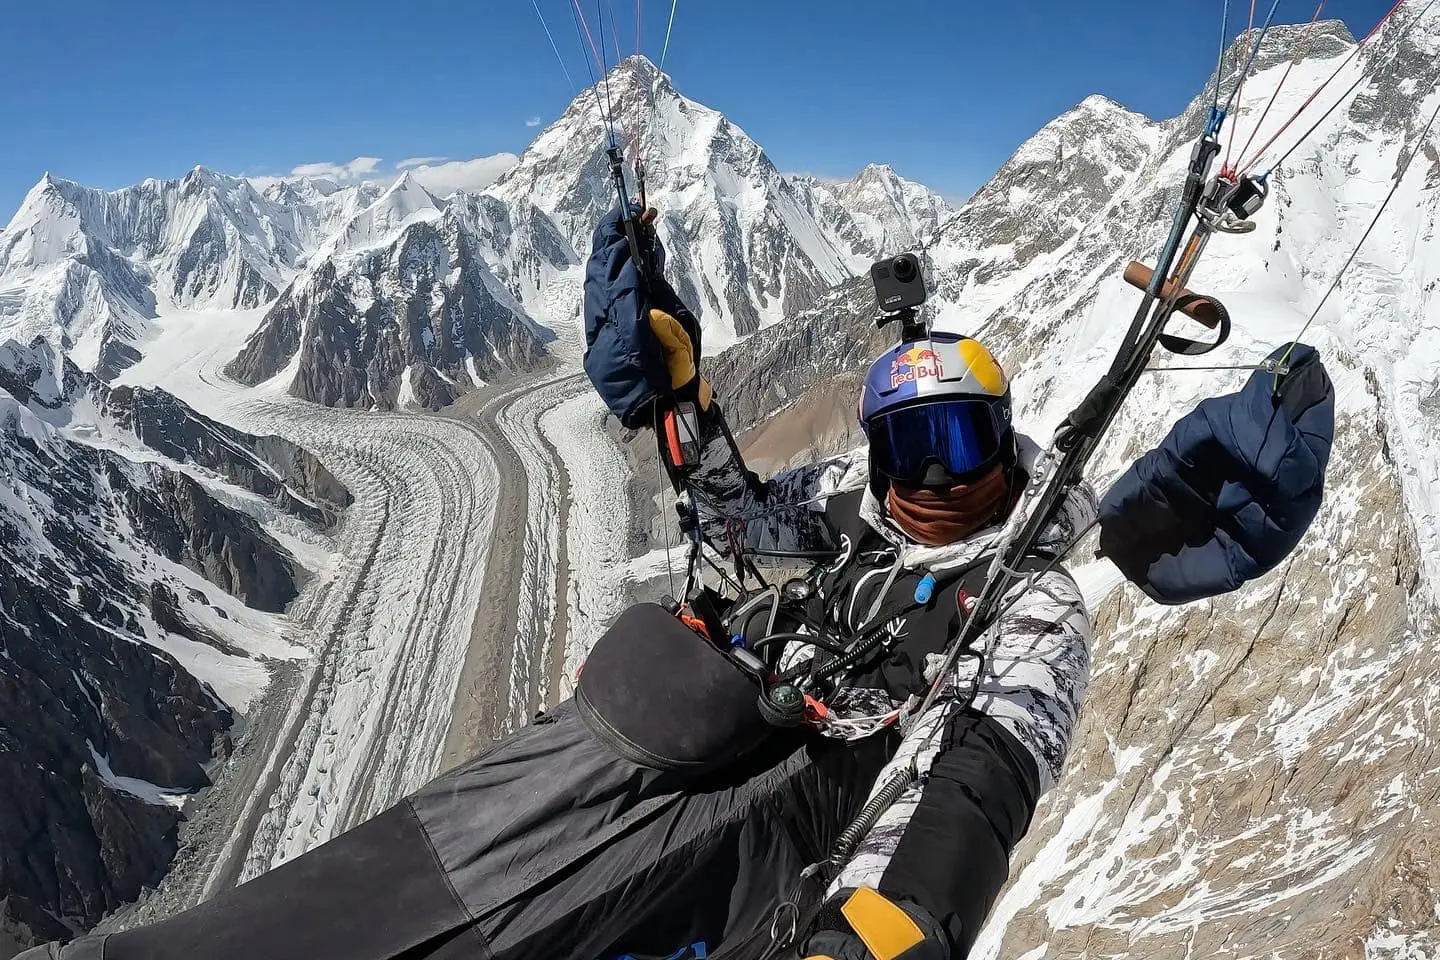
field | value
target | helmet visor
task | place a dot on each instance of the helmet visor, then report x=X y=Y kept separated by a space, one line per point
x=959 y=435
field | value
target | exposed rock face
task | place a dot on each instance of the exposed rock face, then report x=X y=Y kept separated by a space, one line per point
x=109 y=527
x=528 y=253
x=175 y=514
x=1255 y=774
x=272 y=467
x=772 y=370
x=423 y=316
x=78 y=673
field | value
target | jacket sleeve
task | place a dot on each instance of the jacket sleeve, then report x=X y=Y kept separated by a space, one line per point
x=980 y=770
x=784 y=514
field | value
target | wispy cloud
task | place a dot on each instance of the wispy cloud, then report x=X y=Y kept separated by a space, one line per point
x=419 y=162
x=439 y=175
x=470 y=175
x=357 y=169
x=533 y=122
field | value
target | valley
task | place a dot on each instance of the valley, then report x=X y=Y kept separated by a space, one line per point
x=1253 y=775
x=448 y=577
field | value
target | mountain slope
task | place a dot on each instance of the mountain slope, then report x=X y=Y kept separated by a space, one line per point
x=419 y=321
x=1254 y=775
x=744 y=250
x=139 y=599
x=89 y=269
x=893 y=214
x=402 y=203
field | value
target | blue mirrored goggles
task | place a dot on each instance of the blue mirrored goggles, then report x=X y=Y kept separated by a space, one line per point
x=960 y=435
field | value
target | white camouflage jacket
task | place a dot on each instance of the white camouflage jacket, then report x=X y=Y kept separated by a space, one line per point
x=1034 y=682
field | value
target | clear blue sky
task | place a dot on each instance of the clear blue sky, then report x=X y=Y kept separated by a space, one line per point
x=109 y=93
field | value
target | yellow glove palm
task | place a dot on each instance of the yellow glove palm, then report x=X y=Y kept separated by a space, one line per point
x=679 y=354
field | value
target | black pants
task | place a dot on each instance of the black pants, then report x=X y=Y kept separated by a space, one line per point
x=550 y=847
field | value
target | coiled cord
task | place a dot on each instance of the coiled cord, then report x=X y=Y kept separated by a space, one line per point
x=851 y=836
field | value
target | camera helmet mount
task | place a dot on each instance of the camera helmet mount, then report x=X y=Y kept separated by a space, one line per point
x=900 y=291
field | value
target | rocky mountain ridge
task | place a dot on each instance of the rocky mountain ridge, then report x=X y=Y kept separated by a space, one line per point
x=419 y=322
x=91 y=270
x=135 y=596
x=96 y=272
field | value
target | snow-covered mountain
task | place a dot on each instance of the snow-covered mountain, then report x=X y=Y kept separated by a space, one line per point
x=744 y=248
x=402 y=203
x=90 y=269
x=418 y=321
x=1255 y=775
x=142 y=572
x=876 y=213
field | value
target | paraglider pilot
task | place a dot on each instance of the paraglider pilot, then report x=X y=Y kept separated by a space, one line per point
x=656 y=815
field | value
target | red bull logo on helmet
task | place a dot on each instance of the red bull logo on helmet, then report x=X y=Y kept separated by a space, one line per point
x=915 y=365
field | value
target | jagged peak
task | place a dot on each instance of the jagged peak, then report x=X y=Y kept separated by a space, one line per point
x=292 y=186
x=886 y=176
x=1097 y=106
x=875 y=177
x=638 y=65
x=633 y=77
x=48 y=191
x=407 y=194
x=1285 y=39
x=876 y=171
x=50 y=183
x=1100 y=103
x=199 y=176
x=1282 y=42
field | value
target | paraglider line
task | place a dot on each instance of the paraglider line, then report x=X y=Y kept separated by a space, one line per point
x=580 y=21
x=1321 y=89
x=1299 y=54
x=614 y=32
x=665 y=52
x=579 y=18
x=605 y=72
x=1245 y=74
x=569 y=82
x=1220 y=61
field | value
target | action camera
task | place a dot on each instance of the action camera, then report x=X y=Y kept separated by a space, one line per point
x=899 y=284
